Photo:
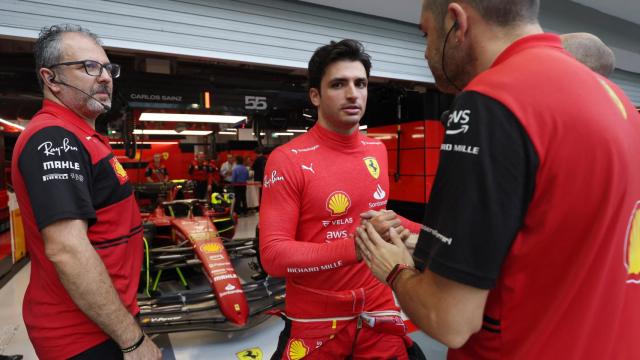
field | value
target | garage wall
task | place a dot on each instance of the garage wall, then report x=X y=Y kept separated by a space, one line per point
x=274 y=32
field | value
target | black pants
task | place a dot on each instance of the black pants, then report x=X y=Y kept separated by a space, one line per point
x=200 y=189
x=107 y=350
x=241 y=198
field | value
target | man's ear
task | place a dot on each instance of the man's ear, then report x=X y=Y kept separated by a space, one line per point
x=314 y=95
x=48 y=78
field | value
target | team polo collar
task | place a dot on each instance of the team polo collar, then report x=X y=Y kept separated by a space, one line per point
x=71 y=118
x=68 y=116
x=335 y=140
x=527 y=42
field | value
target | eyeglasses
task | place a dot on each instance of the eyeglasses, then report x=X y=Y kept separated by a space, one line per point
x=93 y=68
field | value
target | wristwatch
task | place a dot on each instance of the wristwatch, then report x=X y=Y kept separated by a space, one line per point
x=396 y=271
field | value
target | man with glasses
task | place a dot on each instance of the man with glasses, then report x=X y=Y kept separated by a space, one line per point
x=82 y=224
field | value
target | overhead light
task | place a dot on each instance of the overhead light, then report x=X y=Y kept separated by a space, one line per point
x=194 y=118
x=149 y=142
x=283 y=134
x=261 y=134
x=7 y=122
x=417 y=136
x=171 y=132
x=227 y=133
x=296 y=130
x=306 y=115
x=362 y=127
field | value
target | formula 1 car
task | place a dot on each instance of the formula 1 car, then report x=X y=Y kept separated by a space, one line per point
x=194 y=278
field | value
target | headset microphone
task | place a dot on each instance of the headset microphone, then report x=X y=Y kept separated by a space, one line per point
x=53 y=80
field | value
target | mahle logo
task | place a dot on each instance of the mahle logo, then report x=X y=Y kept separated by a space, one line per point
x=457 y=122
x=632 y=246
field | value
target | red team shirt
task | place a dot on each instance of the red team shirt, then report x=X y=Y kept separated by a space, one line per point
x=63 y=169
x=555 y=230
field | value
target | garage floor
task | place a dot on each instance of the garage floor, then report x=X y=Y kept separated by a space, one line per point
x=181 y=346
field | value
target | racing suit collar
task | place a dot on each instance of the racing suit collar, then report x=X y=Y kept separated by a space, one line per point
x=334 y=140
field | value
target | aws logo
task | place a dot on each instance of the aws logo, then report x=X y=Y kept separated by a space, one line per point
x=632 y=247
x=457 y=122
x=338 y=203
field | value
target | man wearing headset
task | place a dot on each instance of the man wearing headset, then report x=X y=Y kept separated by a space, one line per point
x=82 y=224
x=520 y=256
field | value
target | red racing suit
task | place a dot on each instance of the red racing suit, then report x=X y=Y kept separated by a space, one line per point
x=314 y=190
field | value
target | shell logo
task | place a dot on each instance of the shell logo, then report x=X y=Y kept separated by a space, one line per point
x=297 y=350
x=338 y=203
x=632 y=246
x=121 y=173
x=211 y=248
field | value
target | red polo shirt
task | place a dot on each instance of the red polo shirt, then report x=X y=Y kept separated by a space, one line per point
x=63 y=169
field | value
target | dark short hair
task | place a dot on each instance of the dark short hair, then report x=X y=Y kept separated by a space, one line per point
x=48 y=50
x=498 y=12
x=239 y=159
x=347 y=49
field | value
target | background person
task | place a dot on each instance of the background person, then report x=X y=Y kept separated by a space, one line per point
x=82 y=225
x=200 y=171
x=510 y=235
x=239 y=177
x=156 y=171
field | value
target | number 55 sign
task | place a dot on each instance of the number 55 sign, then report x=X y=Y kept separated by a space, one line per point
x=255 y=102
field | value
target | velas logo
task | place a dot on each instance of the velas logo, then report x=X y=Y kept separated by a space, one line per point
x=457 y=122
x=297 y=350
x=372 y=165
x=211 y=248
x=121 y=174
x=632 y=246
x=338 y=203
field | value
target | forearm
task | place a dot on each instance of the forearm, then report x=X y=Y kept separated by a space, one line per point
x=89 y=285
x=445 y=318
x=291 y=258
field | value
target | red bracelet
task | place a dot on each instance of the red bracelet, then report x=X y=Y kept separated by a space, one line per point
x=396 y=271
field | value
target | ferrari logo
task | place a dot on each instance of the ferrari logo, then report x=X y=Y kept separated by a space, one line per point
x=165 y=155
x=121 y=173
x=250 y=354
x=372 y=165
x=632 y=246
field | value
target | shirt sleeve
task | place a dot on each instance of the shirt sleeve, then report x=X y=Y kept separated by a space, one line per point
x=280 y=251
x=56 y=170
x=413 y=227
x=484 y=183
